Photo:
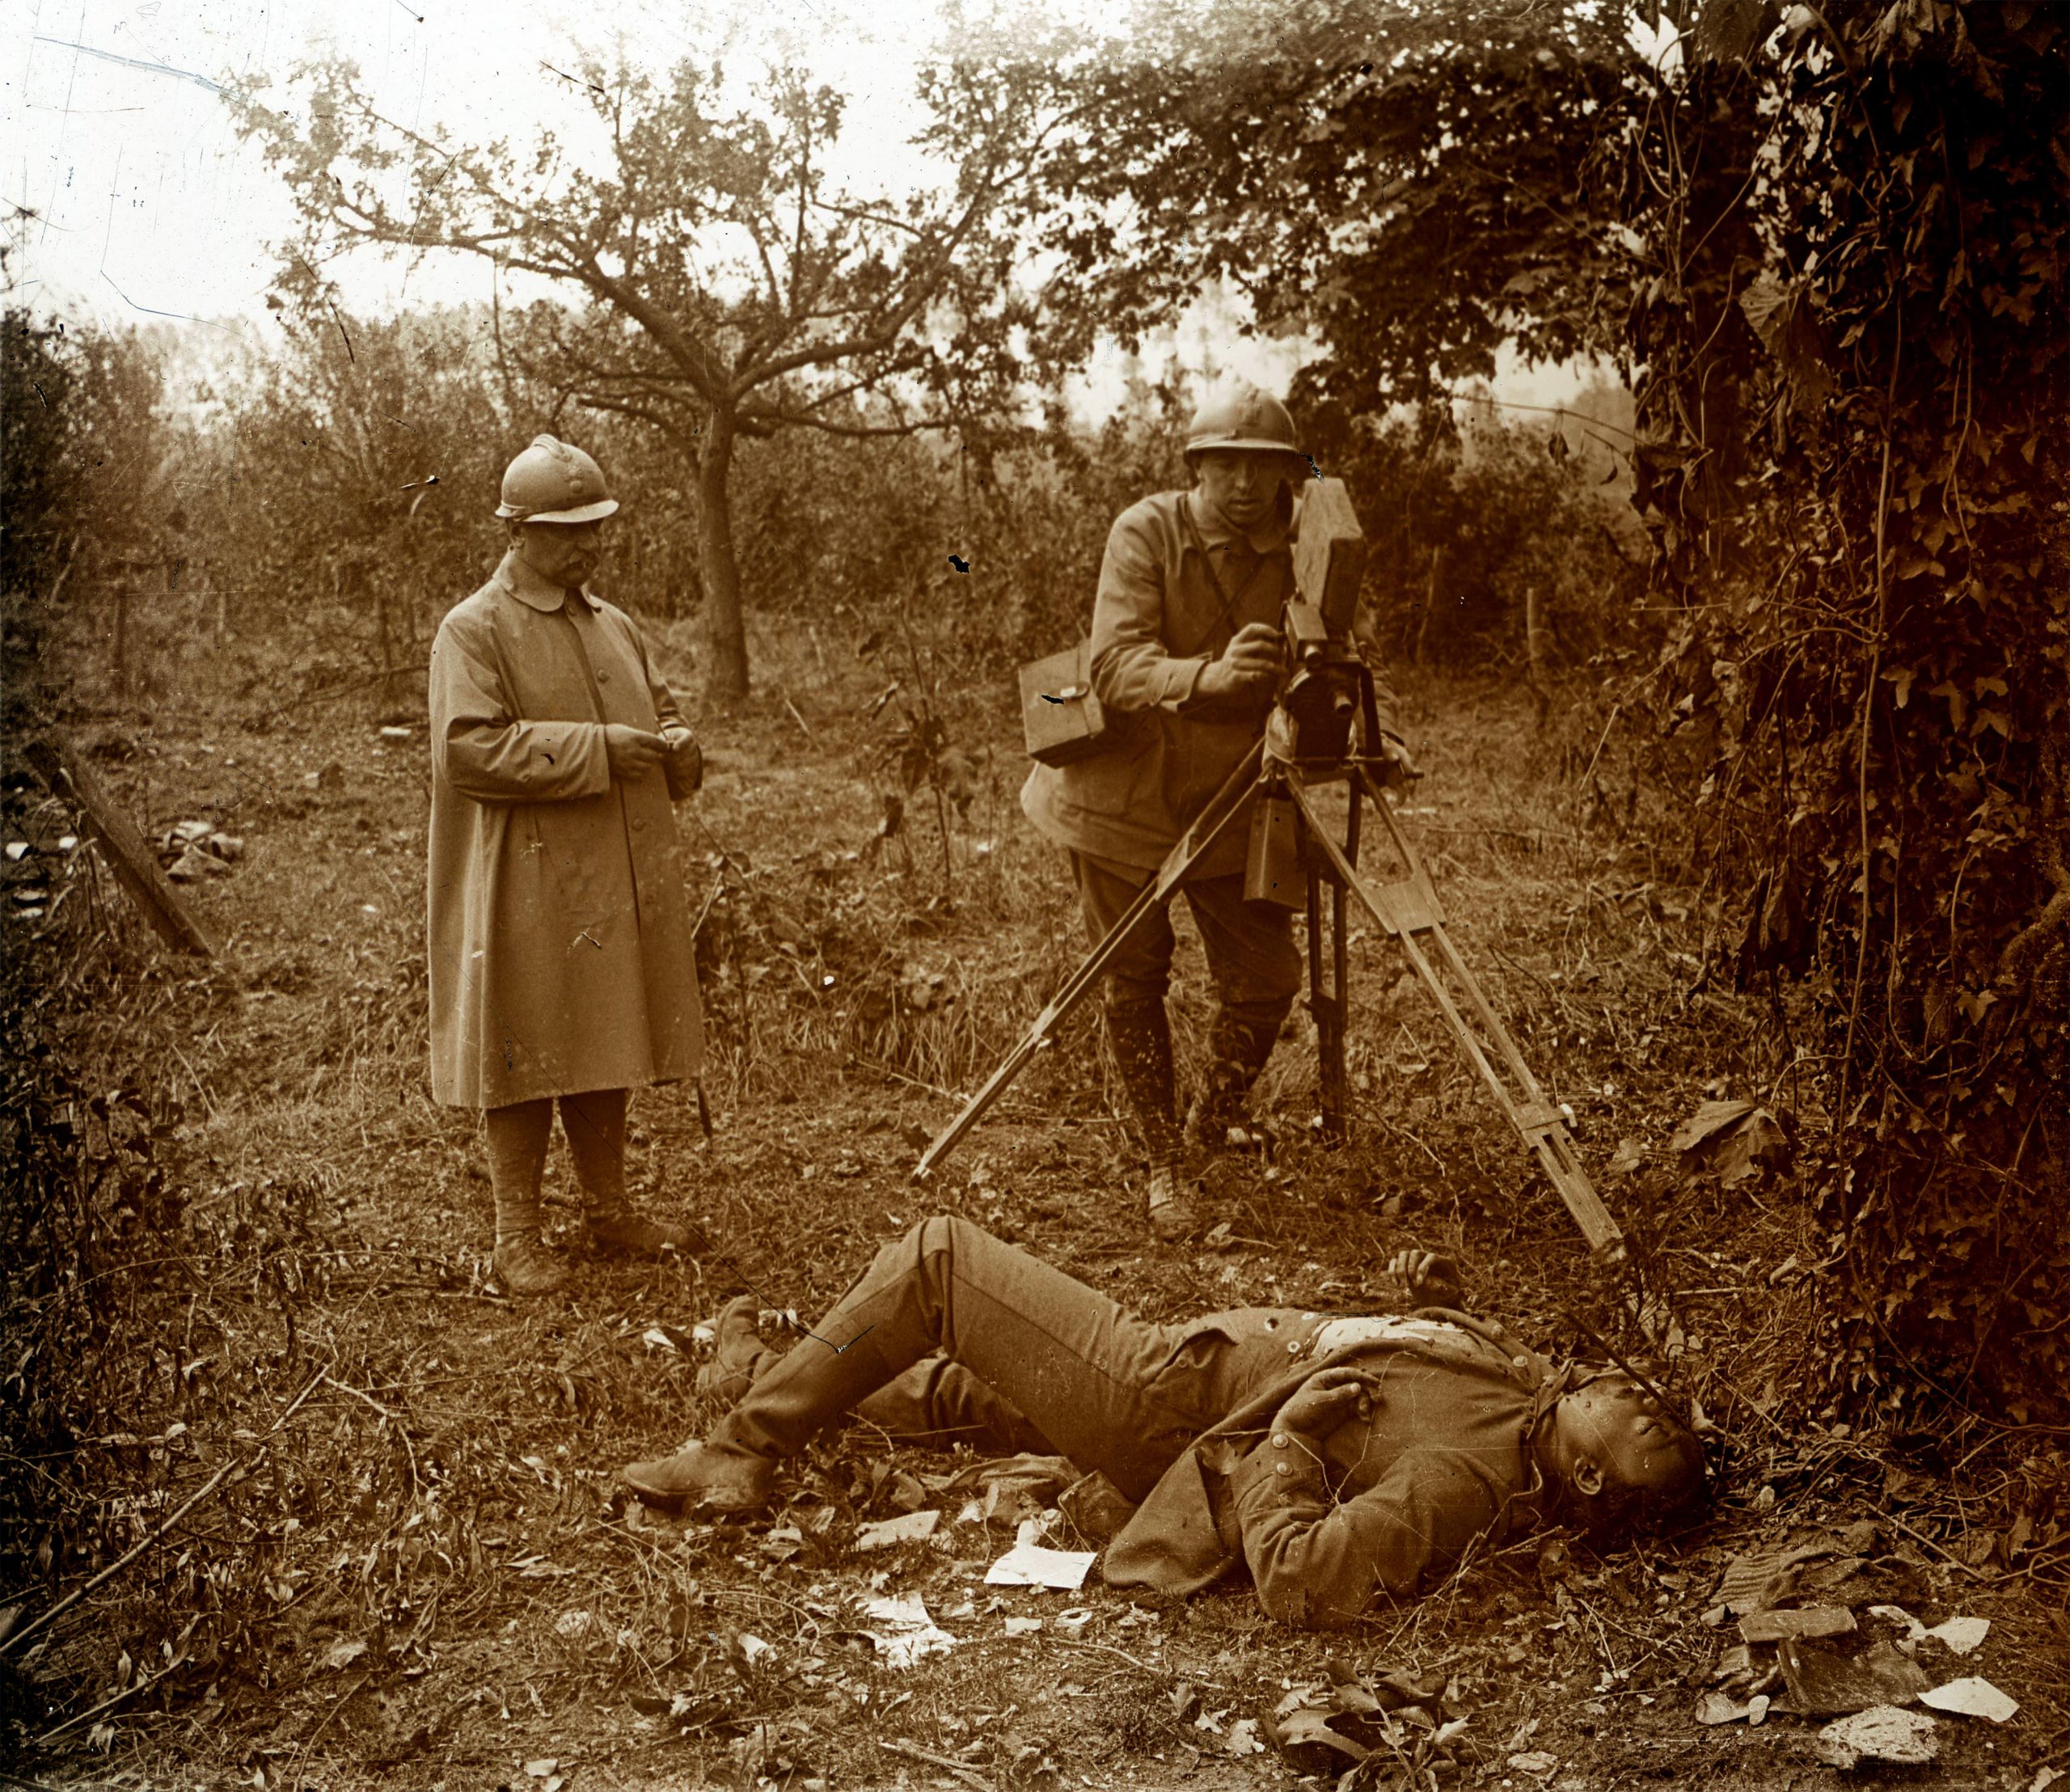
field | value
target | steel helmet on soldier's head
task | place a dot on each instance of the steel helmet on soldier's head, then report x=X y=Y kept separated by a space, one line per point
x=1240 y=416
x=553 y=482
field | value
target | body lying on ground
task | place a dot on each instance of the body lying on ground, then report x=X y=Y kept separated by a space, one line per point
x=1346 y=1462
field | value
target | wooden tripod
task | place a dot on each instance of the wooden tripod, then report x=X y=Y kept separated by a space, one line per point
x=1409 y=909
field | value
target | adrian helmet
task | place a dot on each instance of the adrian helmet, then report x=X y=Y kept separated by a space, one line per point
x=1240 y=416
x=554 y=482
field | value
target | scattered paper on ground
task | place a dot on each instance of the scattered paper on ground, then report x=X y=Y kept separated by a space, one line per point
x=907 y=1528
x=906 y=1632
x=1883 y=1733
x=1030 y=1565
x=1962 y=1635
x=1971 y=1698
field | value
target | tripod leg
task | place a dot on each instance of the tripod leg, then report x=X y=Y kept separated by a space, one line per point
x=1326 y=1003
x=1214 y=821
x=1537 y=1123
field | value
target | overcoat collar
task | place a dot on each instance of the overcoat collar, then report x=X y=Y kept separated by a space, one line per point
x=516 y=575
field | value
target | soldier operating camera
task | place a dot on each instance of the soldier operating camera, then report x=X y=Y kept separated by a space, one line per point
x=1187 y=656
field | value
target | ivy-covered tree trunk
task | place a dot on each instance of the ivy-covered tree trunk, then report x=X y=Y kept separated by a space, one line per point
x=725 y=630
x=1884 y=659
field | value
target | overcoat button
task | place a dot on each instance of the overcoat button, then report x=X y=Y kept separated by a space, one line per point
x=1279 y=1440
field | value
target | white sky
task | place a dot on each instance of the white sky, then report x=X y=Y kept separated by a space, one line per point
x=147 y=205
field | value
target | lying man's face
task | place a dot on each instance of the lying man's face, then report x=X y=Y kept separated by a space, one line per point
x=1617 y=1448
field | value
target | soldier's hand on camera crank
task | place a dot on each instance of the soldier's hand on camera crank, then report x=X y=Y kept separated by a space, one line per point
x=1429 y=1279
x=1329 y=1399
x=1250 y=665
x=633 y=752
x=1398 y=767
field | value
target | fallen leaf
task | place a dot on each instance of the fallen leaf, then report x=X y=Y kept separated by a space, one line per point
x=539 y=1769
x=343 y=1652
x=1243 y=1738
x=1713 y=1709
x=1706 y=1122
x=1537 y=1760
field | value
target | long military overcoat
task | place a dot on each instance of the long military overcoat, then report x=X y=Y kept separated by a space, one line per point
x=561 y=958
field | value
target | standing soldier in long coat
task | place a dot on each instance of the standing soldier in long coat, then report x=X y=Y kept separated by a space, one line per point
x=562 y=964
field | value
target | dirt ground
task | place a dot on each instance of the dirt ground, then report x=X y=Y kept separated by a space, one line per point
x=418 y=1572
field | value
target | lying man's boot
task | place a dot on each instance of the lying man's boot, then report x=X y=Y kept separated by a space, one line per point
x=701 y=1478
x=623 y=1232
x=738 y=1353
x=1169 y=1206
x=526 y=1266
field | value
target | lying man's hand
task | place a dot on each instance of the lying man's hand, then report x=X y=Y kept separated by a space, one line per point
x=1329 y=1401
x=1250 y=664
x=1429 y=1279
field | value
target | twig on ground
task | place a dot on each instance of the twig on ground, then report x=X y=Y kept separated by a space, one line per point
x=960 y=1769
x=1147 y=1668
x=109 y=1704
x=15 y=1639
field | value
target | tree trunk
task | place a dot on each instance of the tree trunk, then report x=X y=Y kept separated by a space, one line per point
x=725 y=630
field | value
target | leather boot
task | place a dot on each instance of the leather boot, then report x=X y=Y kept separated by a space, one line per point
x=1141 y=1036
x=594 y=1122
x=699 y=1477
x=1239 y=1042
x=734 y=1468
x=1169 y=1205
x=739 y=1355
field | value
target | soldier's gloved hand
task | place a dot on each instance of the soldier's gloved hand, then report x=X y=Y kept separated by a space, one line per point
x=685 y=756
x=1397 y=765
x=1429 y=1279
x=1329 y=1399
x=633 y=752
x=1250 y=665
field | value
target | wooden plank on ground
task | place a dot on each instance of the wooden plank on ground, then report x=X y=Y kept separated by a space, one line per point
x=64 y=769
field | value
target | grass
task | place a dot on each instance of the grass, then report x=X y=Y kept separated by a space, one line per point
x=425 y=1577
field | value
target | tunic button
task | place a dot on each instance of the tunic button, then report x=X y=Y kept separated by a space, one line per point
x=1521 y=1362
x=603 y=677
x=1282 y=1468
x=1279 y=1440
x=640 y=827
x=1293 y=1346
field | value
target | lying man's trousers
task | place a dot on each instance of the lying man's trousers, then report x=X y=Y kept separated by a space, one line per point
x=1067 y=1370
